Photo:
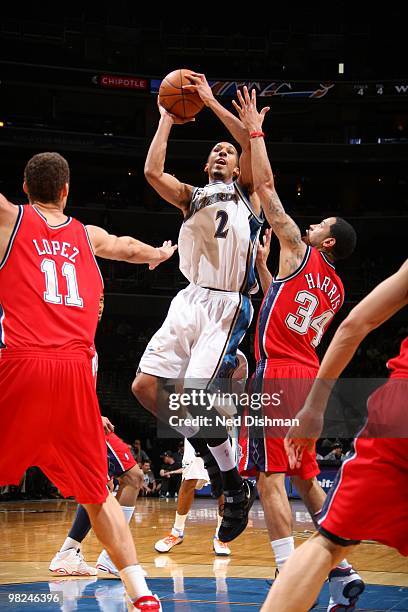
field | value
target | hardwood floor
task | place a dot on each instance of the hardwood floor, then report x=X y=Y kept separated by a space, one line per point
x=31 y=533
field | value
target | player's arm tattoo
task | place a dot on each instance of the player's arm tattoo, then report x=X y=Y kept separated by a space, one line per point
x=283 y=225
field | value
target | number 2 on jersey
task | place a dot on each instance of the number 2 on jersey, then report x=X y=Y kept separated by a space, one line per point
x=303 y=319
x=51 y=294
x=221 y=232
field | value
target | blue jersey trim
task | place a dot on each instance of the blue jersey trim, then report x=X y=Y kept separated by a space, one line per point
x=242 y=320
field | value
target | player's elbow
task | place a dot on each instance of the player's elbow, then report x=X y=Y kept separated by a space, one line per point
x=265 y=189
x=152 y=174
x=355 y=327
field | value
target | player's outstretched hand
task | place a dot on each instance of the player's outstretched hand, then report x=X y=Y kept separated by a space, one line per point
x=303 y=436
x=163 y=253
x=200 y=85
x=173 y=118
x=247 y=111
x=264 y=247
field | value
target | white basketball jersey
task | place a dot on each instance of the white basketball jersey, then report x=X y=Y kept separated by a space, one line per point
x=218 y=239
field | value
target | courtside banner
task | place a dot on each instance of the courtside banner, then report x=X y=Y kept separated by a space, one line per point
x=305 y=89
x=117 y=81
x=266 y=408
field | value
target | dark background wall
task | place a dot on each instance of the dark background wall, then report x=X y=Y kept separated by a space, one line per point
x=344 y=153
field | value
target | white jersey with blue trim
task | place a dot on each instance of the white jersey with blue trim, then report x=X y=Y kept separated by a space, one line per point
x=219 y=238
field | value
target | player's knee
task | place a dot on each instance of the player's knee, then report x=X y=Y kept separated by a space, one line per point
x=189 y=485
x=133 y=478
x=271 y=486
x=140 y=386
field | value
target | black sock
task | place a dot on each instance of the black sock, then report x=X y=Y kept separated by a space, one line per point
x=81 y=525
x=231 y=479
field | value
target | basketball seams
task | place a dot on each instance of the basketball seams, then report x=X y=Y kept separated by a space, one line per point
x=174 y=99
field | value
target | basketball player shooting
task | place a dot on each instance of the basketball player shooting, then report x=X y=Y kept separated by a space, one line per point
x=206 y=321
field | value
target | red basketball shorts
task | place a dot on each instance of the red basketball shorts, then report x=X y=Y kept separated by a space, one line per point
x=261 y=448
x=369 y=499
x=51 y=419
x=120 y=459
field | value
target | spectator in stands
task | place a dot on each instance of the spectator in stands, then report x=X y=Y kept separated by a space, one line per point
x=150 y=486
x=170 y=473
x=138 y=453
x=180 y=451
x=336 y=454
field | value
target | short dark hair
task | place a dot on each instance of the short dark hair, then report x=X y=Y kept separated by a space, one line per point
x=45 y=175
x=345 y=236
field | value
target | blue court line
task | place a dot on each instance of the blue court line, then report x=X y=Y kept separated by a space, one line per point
x=234 y=595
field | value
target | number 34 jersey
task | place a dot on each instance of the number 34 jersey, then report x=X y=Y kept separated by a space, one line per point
x=297 y=310
x=218 y=239
x=50 y=285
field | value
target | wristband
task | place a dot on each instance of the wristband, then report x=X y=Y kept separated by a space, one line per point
x=257 y=135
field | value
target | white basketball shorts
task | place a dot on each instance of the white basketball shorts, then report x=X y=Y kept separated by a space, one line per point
x=199 y=337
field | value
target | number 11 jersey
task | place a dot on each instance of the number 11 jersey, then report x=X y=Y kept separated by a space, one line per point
x=50 y=285
x=297 y=310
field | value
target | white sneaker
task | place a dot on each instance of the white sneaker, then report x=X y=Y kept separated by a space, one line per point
x=71 y=563
x=168 y=543
x=105 y=564
x=345 y=587
x=221 y=548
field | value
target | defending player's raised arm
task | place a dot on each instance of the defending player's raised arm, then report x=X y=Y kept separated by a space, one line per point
x=282 y=224
x=167 y=186
x=380 y=305
x=235 y=127
x=126 y=248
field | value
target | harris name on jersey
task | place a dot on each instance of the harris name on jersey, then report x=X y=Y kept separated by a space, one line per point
x=314 y=281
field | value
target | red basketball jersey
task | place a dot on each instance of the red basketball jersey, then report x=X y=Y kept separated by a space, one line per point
x=399 y=364
x=297 y=310
x=50 y=285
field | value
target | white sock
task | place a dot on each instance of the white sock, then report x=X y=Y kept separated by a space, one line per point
x=134 y=581
x=344 y=564
x=219 y=521
x=128 y=512
x=282 y=549
x=70 y=543
x=179 y=523
x=224 y=456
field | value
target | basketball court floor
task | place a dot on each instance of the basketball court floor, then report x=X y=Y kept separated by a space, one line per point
x=188 y=578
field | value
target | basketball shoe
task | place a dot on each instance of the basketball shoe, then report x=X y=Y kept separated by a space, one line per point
x=345 y=587
x=105 y=564
x=220 y=548
x=237 y=505
x=147 y=603
x=71 y=563
x=169 y=542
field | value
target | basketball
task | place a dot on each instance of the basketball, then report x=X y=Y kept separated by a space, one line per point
x=177 y=101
